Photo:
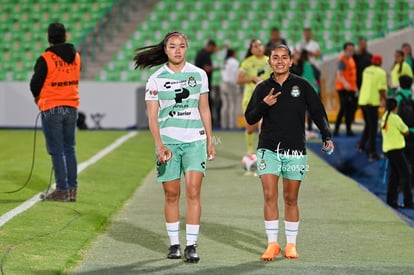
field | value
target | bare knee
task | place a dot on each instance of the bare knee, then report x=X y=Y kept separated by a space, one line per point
x=290 y=201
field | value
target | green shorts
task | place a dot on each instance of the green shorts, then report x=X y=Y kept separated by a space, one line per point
x=292 y=167
x=186 y=157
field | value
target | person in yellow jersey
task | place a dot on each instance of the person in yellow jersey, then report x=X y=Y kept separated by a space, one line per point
x=253 y=69
x=371 y=96
x=393 y=130
x=399 y=68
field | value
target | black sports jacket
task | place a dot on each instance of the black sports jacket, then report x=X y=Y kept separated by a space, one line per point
x=283 y=126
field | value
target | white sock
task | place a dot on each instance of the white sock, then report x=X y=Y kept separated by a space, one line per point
x=173 y=230
x=272 y=230
x=291 y=231
x=192 y=233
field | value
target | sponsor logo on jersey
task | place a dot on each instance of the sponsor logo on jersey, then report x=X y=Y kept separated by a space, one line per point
x=183 y=113
x=181 y=94
x=169 y=84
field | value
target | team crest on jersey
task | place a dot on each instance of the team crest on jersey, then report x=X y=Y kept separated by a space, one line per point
x=192 y=82
x=295 y=92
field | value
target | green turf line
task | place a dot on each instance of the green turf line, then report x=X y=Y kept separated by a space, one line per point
x=344 y=229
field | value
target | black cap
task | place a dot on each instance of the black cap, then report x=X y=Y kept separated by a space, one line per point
x=56 y=33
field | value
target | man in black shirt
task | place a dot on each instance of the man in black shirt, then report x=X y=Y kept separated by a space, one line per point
x=362 y=60
x=280 y=102
x=203 y=60
x=275 y=40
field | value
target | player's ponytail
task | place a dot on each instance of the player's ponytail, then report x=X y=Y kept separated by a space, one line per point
x=390 y=105
x=154 y=55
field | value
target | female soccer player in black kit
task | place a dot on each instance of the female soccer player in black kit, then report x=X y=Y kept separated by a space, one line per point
x=281 y=102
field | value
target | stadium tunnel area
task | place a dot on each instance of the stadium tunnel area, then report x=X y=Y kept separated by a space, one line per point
x=371 y=175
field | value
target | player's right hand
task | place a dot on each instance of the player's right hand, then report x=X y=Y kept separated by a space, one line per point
x=163 y=154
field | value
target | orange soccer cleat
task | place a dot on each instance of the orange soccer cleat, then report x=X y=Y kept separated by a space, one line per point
x=290 y=251
x=273 y=249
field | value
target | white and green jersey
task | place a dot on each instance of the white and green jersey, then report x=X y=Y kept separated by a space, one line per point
x=178 y=95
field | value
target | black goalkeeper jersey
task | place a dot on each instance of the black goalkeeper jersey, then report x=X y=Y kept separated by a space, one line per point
x=283 y=126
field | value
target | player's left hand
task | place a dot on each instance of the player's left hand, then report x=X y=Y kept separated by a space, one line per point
x=211 y=152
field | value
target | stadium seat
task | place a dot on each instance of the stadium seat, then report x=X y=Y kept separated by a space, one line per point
x=236 y=22
x=231 y=22
x=24 y=23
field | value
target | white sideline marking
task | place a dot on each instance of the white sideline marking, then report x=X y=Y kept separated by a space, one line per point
x=82 y=166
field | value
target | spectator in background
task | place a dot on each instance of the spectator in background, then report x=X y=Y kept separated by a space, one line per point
x=229 y=91
x=310 y=45
x=405 y=92
x=253 y=69
x=362 y=58
x=346 y=86
x=275 y=40
x=303 y=67
x=393 y=130
x=372 y=94
x=54 y=86
x=204 y=61
x=399 y=68
x=408 y=55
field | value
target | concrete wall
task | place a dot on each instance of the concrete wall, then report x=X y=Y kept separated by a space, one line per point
x=116 y=101
x=385 y=46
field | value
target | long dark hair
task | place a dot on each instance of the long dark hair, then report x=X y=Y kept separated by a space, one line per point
x=154 y=55
x=400 y=52
x=249 y=50
x=229 y=53
x=390 y=105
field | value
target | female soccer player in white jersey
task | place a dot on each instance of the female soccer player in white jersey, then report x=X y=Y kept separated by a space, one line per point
x=180 y=123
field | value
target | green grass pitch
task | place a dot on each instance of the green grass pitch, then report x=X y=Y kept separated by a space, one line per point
x=117 y=225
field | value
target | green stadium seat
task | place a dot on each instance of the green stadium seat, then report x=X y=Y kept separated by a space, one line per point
x=236 y=22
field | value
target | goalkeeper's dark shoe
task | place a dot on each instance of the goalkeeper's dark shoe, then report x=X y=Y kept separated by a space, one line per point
x=190 y=254
x=174 y=252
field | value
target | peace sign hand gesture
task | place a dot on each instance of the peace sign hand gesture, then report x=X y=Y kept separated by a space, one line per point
x=271 y=98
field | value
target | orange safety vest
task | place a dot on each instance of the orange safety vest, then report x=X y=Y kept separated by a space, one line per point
x=349 y=74
x=61 y=84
